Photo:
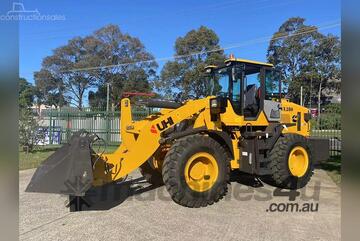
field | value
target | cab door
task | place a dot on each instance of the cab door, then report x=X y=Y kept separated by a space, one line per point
x=272 y=98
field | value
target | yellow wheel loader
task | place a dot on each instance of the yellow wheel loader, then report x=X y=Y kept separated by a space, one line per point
x=244 y=124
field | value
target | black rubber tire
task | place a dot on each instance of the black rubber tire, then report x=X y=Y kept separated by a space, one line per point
x=150 y=174
x=280 y=174
x=174 y=165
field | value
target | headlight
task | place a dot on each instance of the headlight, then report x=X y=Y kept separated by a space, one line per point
x=213 y=103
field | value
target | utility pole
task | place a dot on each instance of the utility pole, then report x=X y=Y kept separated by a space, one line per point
x=319 y=103
x=107 y=96
x=301 y=96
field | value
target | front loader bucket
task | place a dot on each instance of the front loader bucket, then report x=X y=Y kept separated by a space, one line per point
x=68 y=171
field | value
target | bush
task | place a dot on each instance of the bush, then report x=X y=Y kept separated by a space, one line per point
x=328 y=121
x=333 y=109
x=29 y=132
x=330 y=118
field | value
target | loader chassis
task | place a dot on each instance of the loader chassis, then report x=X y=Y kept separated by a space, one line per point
x=244 y=124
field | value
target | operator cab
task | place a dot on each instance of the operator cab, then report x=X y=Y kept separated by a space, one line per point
x=249 y=85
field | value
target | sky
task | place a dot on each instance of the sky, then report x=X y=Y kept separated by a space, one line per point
x=246 y=25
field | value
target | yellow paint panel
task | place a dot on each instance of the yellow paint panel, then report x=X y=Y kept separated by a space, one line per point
x=289 y=116
x=234 y=163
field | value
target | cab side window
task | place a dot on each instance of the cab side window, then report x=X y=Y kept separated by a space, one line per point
x=272 y=88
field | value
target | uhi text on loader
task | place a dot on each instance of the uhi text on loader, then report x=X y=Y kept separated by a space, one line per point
x=191 y=147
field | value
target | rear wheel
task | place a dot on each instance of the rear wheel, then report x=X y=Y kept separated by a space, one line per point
x=196 y=171
x=291 y=163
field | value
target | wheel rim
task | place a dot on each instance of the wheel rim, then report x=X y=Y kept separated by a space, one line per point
x=298 y=161
x=201 y=171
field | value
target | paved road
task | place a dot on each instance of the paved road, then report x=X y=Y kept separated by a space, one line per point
x=139 y=212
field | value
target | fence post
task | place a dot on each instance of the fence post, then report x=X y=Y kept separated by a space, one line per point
x=67 y=127
x=50 y=127
x=107 y=127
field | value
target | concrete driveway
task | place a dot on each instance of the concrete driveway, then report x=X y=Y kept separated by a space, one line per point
x=136 y=211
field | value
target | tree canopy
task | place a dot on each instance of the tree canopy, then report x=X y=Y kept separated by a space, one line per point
x=26 y=93
x=183 y=78
x=305 y=58
x=49 y=89
x=120 y=49
x=75 y=68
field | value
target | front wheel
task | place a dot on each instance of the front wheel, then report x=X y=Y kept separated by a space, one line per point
x=196 y=171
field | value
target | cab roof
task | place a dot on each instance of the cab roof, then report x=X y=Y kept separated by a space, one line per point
x=248 y=62
x=242 y=61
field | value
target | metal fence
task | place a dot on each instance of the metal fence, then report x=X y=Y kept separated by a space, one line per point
x=329 y=126
x=62 y=124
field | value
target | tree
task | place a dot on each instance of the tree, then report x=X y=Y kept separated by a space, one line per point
x=305 y=58
x=49 y=90
x=60 y=70
x=26 y=94
x=327 y=57
x=28 y=126
x=289 y=51
x=133 y=68
x=98 y=98
x=183 y=78
x=30 y=133
x=75 y=69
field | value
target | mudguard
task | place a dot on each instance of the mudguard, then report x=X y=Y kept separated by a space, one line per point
x=69 y=170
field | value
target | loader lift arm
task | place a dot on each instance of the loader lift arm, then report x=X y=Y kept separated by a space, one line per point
x=141 y=139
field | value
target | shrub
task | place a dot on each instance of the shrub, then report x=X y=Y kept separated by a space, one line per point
x=29 y=131
x=333 y=108
x=328 y=121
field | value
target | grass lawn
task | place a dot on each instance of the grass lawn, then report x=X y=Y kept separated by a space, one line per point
x=333 y=168
x=33 y=159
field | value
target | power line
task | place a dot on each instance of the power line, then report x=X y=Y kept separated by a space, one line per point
x=181 y=12
x=223 y=5
x=233 y=46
